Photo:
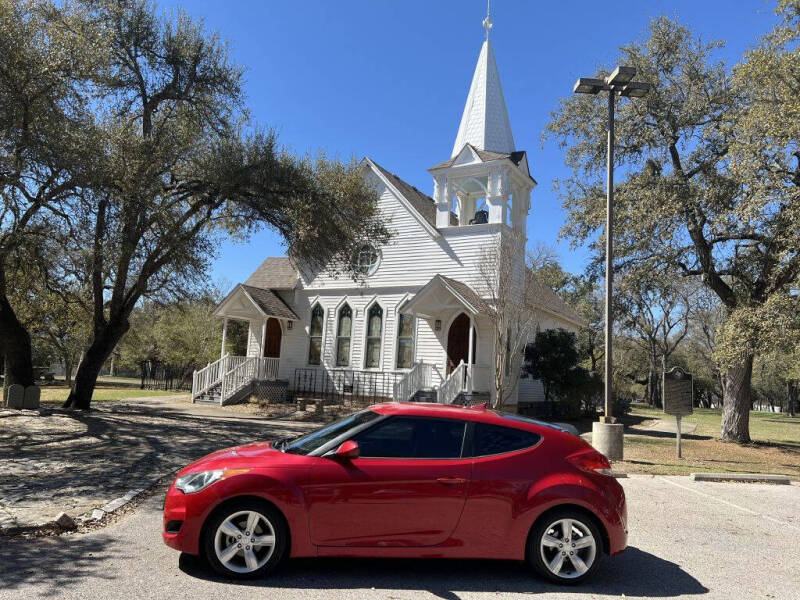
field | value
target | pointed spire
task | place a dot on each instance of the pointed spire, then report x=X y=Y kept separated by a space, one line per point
x=487 y=22
x=485 y=122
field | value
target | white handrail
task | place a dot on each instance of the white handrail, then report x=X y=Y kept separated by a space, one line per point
x=231 y=373
x=421 y=376
x=453 y=385
x=245 y=371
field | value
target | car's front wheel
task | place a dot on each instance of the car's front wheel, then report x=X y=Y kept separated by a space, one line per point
x=565 y=547
x=245 y=539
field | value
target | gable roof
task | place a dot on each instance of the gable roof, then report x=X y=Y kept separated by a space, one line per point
x=547 y=300
x=275 y=273
x=422 y=203
x=267 y=302
x=485 y=155
x=270 y=303
x=462 y=289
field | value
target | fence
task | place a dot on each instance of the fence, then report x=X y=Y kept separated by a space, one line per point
x=344 y=386
x=159 y=376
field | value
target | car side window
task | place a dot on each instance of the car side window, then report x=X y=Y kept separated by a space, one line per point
x=495 y=439
x=412 y=437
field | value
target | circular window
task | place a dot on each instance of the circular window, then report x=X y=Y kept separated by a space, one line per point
x=367 y=259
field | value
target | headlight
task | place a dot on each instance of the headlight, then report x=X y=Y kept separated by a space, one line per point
x=194 y=482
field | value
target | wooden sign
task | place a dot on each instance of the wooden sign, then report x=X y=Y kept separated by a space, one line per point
x=677 y=392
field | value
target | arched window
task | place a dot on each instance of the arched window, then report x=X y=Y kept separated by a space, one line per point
x=405 y=341
x=315 y=335
x=372 y=359
x=343 y=332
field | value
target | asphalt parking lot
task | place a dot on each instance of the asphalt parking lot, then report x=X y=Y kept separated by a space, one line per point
x=711 y=540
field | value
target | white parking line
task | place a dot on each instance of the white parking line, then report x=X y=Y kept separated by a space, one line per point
x=742 y=508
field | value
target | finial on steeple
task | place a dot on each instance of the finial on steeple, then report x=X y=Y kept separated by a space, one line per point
x=487 y=22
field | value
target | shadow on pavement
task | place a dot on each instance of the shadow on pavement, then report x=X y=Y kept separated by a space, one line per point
x=56 y=563
x=634 y=574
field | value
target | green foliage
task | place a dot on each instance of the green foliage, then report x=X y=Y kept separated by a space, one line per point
x=136 y=152
x=711 y=181
x=183 y=334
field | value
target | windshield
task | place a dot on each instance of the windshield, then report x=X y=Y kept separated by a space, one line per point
x=311 y=441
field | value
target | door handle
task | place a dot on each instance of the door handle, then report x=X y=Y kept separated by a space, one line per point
x=451 y=480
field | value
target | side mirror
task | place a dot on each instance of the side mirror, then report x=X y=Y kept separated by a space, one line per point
x=348 y=450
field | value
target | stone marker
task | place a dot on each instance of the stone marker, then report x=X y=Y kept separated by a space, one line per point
x=64 y=521
x=16 y=396
x=32 y=395
x=97 y=514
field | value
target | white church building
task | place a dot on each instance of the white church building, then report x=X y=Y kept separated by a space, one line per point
x=413 y=329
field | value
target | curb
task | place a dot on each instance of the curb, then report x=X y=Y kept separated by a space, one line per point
x=95 y=517
x=742 y=478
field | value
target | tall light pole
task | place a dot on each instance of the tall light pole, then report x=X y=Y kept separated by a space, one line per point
x=608 y=439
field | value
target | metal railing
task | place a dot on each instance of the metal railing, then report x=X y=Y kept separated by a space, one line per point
x=456 y=383
x=340 y=386
x=421 y=376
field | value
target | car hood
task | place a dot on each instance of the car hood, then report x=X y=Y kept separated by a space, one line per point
x=254 y=456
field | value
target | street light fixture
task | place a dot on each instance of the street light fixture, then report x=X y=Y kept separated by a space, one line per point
x=607 y=437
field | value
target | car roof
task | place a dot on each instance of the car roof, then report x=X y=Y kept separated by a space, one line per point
x=474 y=413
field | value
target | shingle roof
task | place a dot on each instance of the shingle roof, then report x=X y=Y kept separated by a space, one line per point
x=276 y=273
x=270 y=303
x=463 y=290
x=548 y=300
x=422 y=203
x=485 y=155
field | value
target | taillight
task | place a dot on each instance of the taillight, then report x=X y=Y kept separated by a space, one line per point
x=590 y=461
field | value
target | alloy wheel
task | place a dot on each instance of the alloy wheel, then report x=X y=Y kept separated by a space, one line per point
x=568 y=548
x=244 y=541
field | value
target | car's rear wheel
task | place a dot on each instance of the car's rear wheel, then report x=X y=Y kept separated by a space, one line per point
x=245 y=539
x=565 y=546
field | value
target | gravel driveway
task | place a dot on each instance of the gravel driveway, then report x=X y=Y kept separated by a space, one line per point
x=54 y=460
x=711 y=540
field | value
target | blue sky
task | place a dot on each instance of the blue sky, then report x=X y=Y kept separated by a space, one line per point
x=388 y=79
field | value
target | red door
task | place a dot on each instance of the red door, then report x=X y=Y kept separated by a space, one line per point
x=272 y=346
x=391 y=501
x=458 y=342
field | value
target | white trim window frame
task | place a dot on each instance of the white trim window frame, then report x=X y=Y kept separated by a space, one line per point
x=409 y=339
x=345 y=311
x=370 y=337
x=320 y=335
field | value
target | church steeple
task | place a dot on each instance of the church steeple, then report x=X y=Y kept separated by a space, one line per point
x=485 y=123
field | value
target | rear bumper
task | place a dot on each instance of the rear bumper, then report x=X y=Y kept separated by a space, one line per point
x=616 y=518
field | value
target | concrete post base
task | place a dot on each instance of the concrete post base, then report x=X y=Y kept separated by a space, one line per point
x=607 y=439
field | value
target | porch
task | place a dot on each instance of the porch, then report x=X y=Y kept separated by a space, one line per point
x=231 y=378
x=452 y=328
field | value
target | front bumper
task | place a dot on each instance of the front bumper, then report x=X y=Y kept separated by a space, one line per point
x=189 y=511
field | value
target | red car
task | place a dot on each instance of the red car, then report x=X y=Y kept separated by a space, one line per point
x=404 y=480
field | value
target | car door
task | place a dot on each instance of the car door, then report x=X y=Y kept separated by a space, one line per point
x=407 y=487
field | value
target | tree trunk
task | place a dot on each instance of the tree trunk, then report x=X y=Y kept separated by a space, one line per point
x=95 y=357
x=736 y=402
x=67 y=369
x=16 y=346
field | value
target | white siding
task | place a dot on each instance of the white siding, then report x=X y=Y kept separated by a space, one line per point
x=412 y=257
x=254 y=337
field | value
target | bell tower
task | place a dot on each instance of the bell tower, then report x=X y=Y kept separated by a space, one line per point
x=486 y=179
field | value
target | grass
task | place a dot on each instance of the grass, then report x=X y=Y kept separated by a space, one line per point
x=775 y=447
x=104 y=392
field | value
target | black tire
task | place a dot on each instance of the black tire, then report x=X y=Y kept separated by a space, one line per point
x=272 y=519
x=552 y=524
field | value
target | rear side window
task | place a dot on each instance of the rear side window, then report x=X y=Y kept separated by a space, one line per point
x=494 y=439
x=412 y=437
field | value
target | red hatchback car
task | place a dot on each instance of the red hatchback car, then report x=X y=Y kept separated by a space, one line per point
x=404 y=480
